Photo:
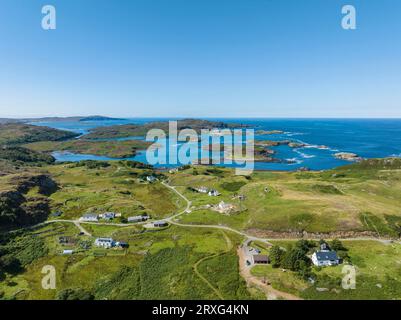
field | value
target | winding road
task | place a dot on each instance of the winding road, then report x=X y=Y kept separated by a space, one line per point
x=251 y=280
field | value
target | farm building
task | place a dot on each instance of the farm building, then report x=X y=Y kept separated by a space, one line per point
x=89 y=217
x=202 y=190
x=105 y=242
x=223 y=207
x=107 y=216
x=213 y=193
x=66 y=240
x=260 y=259
x=122 y=244
x=68 y=252
x=160 y=224
x=138 y=219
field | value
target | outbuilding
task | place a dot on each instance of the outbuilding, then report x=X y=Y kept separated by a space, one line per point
x=160 y=224
x=260 y=259
x=89 y=217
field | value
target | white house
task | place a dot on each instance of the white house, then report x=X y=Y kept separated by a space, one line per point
x=202 y=189
x=104 y=242
x=151 y=179
x=108 y=215
x=89 y=217
x=213 y=193
x=325 y=258
x=137 y=219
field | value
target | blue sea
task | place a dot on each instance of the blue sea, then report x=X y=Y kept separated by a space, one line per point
x=369 y=138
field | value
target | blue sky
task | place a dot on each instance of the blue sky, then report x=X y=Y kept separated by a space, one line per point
x=200 y=58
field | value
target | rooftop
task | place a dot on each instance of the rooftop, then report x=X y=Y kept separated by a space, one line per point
x=260 y=258
x=326 y=255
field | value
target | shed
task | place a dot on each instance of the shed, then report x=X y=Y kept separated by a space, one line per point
x=260 y=259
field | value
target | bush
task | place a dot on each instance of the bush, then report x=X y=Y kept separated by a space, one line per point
x=233 y=186
x=19 y=154
x=74 y=294
x=276 y=256
x=122 y=285
x=92 y=164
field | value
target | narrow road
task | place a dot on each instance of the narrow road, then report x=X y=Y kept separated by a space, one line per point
x=77 y=223
x=187 y=208
x=189 y=203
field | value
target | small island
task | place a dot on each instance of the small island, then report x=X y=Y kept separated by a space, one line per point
x=347 y=156
x=269 y=132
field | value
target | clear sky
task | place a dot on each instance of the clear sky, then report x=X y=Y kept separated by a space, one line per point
x=200 y=58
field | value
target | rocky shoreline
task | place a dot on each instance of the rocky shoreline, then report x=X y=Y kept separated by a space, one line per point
x=347 y=156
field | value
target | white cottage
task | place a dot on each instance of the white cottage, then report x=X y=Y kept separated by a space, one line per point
x=89 y=217
x=104 y=243
x=325 y=258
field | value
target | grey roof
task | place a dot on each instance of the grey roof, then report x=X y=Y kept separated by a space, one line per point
x=90 y=215
x=105 y=239
x=260 y=258
x=326 y=255
x=160 y=222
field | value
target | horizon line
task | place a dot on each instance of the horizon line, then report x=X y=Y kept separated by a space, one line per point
x=201 y=117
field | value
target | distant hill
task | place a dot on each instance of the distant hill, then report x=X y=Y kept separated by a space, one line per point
x=77 y=118
x=19 y=133
x=57 y=119
x=127 y=130
x=98 y=118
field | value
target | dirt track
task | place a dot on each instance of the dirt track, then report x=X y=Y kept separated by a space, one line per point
x=271 y=293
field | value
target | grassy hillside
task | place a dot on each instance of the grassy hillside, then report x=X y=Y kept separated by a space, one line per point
x=112 y=149
x=344 y=200
x=156 y=266
x=117 y=187
x=24 y=156
x=18 y=133
x=24 y=199
x=179 y=262
x=378 y=274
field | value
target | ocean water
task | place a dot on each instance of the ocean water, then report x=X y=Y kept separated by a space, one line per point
x=369 y=138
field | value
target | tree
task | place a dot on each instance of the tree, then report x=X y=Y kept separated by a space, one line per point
x=337 y=245
x=305 y=245
x=294 y=257
x=10 y=264
x=74 y=294
x=276 y=256
x=304 y=270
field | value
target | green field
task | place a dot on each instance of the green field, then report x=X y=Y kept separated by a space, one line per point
x=115 y=188
x=112 y=149
x=181 y=262
x=378 y=274
x=348 y=199
x=156 y=266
